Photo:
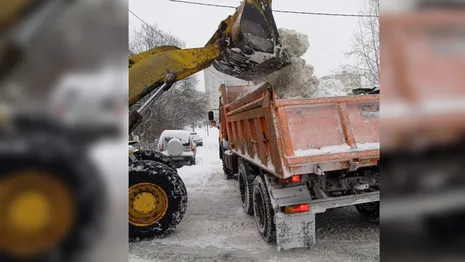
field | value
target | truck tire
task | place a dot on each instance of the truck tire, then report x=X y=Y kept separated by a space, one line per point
x=62 y=183
x=155 y=156
x=369 y=211
x=157 y=199
x=246 y=179
x=263 y=211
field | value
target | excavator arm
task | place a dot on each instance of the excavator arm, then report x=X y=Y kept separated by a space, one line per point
x=149 y=70
x=244 y=46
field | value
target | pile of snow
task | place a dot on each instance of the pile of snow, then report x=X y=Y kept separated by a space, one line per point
x=294 y=81
x=329 y=88
x=297 y=80
x=293 y=42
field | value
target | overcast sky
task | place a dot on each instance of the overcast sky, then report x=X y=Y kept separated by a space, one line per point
x=329 y=36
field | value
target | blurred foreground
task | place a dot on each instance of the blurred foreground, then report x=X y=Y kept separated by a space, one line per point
x=63 y=142
x=423 y=127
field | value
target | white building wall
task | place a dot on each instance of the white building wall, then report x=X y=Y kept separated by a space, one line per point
x=213 y=80
x=349 y=80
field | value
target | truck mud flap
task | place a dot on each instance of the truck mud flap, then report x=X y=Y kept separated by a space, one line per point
x=295 y=230
x=231 y=161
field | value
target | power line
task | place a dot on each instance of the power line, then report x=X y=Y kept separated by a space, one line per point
x=277 y=11
x=158 y=33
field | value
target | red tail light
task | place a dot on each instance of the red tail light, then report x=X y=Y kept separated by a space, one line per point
x=297 y=209
x=295 y=179
x=161 y=147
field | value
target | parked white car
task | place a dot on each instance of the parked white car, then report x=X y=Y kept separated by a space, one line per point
x=179 y=146
x=197 y=139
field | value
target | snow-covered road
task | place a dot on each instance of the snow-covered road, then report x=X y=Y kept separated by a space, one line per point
x=215 y=228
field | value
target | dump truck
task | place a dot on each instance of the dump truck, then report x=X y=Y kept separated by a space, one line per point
x=295 y=158
x=422 y=117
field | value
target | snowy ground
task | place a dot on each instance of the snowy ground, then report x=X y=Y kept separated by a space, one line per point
x=216 y=229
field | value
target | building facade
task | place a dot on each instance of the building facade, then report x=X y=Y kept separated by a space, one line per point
x=349 y=80
x=213 y=80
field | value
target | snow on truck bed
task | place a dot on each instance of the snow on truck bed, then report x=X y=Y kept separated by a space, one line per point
x=343 y=148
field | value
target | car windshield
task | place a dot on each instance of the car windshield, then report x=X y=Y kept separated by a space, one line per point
x=196 y=137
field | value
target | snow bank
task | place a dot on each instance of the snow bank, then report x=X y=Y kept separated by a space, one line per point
x=208 y=168
x=297 y=80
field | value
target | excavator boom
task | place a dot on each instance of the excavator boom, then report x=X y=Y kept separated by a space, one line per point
x=150 y=72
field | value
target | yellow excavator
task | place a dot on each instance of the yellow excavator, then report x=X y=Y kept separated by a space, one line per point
x=49 y=201
x=246 y=46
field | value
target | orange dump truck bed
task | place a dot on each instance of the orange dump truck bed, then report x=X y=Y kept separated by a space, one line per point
x=300 y=136
x=423 y=76
x=423 y=97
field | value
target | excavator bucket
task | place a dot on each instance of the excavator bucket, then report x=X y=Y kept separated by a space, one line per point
x=252 y=42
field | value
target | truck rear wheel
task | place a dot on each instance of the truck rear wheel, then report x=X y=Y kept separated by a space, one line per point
x=157 y=199
x=246 y=180
x=369 y=211
x=155 y=156
x=263 y=211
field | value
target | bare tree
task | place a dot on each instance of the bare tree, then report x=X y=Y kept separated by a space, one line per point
x=365 y=47
x=181 y=106
x=149 y=37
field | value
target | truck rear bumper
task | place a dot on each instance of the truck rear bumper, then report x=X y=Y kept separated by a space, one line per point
x=298 y=230
x=321 y=205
